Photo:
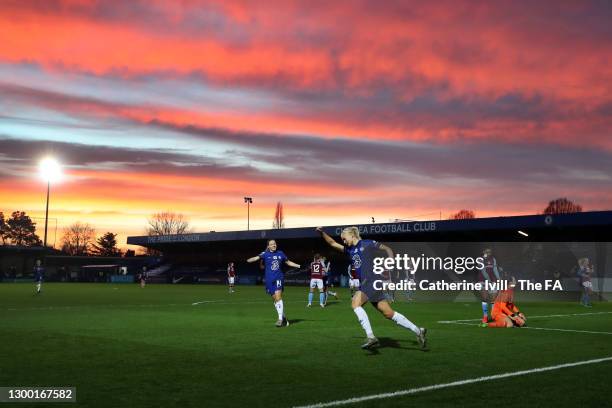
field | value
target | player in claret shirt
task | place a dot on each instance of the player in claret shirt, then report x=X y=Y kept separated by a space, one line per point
x=274 y=277
x=489 y=274
x=585 y=272
x=317 y=268
x=143 y=276
x=353 y=279
x=231 y=276
x=361 y=253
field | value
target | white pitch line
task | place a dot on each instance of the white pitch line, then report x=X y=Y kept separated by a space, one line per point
x=13 y=309
x=540 y=328
x=530 y=317
x=205 y=301
x=228 y=302
x=70 y=307
x=566 y=330
x=451 y=384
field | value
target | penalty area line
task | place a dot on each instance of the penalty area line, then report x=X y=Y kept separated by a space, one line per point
x=530 y=317
x=566 y=330
x=452 y=384
x=541 y=328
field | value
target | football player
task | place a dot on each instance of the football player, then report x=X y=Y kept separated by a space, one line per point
x=231 y=276
x=505 y=313
x=585 y=272
x=143 y=276
x=327 y=280
x=273 y=259
x=361 y=253
x=317 y=270
x=353 y=279
x=488 y=274
x=39 y=275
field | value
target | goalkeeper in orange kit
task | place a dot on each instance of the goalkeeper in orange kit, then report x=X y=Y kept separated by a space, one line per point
x=505 y=313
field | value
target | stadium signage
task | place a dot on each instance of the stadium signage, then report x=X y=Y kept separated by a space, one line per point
x=173 y=238
x=394 y=227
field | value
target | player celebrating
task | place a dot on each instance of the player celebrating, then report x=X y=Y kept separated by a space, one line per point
x=487 y=275
x=39 y=275
x=361 y=252
x=272 y=259
x=353 y=279
x=317 y=268
x=231 y=276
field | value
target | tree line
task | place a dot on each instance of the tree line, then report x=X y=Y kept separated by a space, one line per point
x=18 y=229
x=557 y=206
x=79 y=239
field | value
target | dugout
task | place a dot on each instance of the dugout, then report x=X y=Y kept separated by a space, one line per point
x=17 y=262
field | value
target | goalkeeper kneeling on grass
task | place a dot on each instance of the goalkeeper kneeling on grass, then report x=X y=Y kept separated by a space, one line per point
x=505 y=313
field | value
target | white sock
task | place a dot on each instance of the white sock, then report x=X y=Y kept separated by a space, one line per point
x=38 y=287
x=364 y=321
x=401 y=320
x=280 y=309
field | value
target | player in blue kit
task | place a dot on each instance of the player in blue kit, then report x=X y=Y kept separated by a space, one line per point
x=39 y=275
x=273 y=259
x=328 y=280
x=361 y=253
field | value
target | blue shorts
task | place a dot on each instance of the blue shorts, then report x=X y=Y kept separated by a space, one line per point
x=374 y=295
x=272 y=285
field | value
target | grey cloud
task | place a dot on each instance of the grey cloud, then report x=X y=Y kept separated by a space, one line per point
x=330 y=159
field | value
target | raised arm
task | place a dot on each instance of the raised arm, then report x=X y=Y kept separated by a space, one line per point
x=330 y=240
x=292 y=264
x=253 y=259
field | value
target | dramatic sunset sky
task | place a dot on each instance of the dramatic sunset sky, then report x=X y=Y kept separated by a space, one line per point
x=341 y=110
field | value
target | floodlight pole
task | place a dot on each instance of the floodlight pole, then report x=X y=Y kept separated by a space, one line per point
x=47 y=214
x=248 y=201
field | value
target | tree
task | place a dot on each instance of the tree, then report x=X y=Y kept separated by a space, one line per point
x=106 y=245
x=562 y=206
x=463 y=215
x=22 y=230
x=77 y=239
x=3 y=229
x=279 y=219
x=167 y=223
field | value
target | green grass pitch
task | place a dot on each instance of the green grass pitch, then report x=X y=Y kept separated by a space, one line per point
x=122 y=346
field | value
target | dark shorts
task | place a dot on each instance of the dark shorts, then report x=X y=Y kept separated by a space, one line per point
x=272 y=285
x=374 y=296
